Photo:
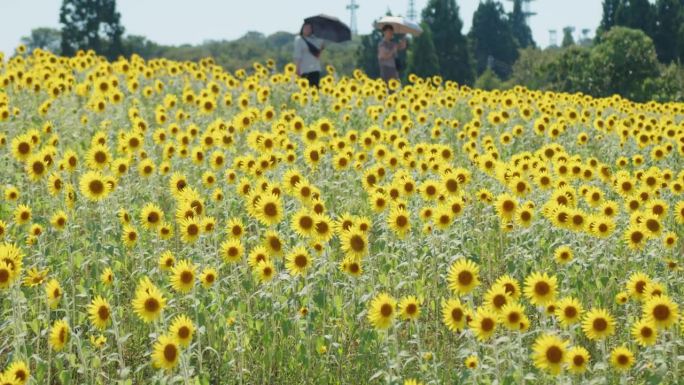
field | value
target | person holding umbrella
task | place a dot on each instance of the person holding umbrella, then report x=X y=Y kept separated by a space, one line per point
x=387 y=54
x=387 y=48
x=307 y=47
x=307 y=53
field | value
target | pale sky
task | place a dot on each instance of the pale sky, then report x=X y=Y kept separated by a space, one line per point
x=193 y=21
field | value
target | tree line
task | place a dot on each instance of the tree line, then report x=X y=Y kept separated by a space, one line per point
x=636 y=52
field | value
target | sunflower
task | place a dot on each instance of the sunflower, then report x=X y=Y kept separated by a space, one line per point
x=351 y=266
x=166 y=352
x=298 y=261
x=258 y=254
x=151 y=216
x=19 y=372
x=235 y=228
x=21 y=147
x=166 y=261
x=274 y=243
x=92 y=184
x=398 y=221
x=569 y=311
x=471 y=362
x=484 y=323
x=36 y=168
x=496 y=298
x=129 y=236
x=265 y=271
x=148 y=303
x=550 y=353
x=6 y=275
x=409 y=308
x=598 y=324
x=644 y=332
x=54 y=293
x=661 y=310
x=354 y=243
x=208 y=277
x=463 y=276
x=99 y=312
x=577 y=359
x=540 y=289
x=636 y=286
x=323 y=228
x=269 y=210
x=22 y=214
x=190 y=229
x=621 y=358
x=107 y=276
x=34 y=277
x=505 y=206
x=232 y=250
x=98 y=157
x=59 y=335
x=182 y=329
x=183 y=276
x=381 y=311
x=512 y=315
x=510 y=284
x=563 y=254
x=635 y=237
x=11 y=193
x=59 y=220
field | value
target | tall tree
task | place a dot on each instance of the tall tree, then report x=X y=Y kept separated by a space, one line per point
x=423 y=59
x=91 y=24
x=43 y=38
x=491 y=39
x=455 y=61
x=636 y=14
x=367 y=54
x=667 y=35
x=568 y=39
x=610 y=8
x=521 y=31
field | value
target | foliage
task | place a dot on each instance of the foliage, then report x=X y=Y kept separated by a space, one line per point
x=423 y=59
x=91 y=24
x=519 y=28
x=491 y=39
x=453 y=53
x=44 y=38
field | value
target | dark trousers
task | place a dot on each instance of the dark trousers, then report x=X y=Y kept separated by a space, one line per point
x=314 y=78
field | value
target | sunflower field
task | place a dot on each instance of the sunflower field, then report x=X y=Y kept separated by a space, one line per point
x=171 y=222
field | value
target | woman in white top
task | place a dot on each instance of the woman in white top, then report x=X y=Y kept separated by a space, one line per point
x=307 y=52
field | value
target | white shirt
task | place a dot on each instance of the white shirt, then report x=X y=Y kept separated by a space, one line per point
x=307 y=61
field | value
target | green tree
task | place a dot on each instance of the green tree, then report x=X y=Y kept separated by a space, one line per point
x=492 y=42
x=636 y=14
x=43 y=38
x=91 y=24
x=568 y=39
x=367 y=54
x=423 y=59
x=610 y=8
x=455 y=61
x=519 y=28
x=668 y=34
x=623 y=61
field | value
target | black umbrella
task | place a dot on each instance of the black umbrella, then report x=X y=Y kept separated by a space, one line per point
x=329 y=28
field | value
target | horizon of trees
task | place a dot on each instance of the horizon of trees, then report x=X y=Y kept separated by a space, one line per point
x=493 y=53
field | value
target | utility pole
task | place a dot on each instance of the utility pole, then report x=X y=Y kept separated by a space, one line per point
x=352 y=7
x=553 y=38
x=412 y=14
